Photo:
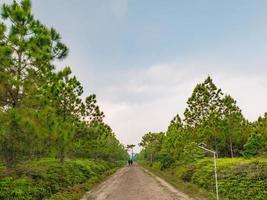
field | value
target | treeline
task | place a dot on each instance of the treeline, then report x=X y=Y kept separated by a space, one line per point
x=213 y=118
x=42 y=112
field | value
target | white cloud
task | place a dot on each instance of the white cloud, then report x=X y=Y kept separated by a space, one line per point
x=137 y=101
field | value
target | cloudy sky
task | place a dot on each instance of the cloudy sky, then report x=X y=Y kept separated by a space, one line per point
x=142 y=58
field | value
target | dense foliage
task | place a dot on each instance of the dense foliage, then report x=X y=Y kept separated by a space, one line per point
x=46 y=178
x=42 y=113
x=238 y=178
x=211 y=118
x=51 y=140
x=214 y=119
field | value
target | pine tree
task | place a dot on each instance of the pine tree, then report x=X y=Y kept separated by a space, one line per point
x=205 y=100
x=27 y=49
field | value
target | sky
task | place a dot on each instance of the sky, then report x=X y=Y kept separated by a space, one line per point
x=142 y=58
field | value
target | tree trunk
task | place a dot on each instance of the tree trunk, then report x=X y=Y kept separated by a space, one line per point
x=9 y=155
x=62 y=156
x=231 y=148
x=151 y=159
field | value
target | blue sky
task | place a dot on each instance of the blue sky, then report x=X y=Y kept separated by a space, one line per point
x=123 y=34
x=143 y=58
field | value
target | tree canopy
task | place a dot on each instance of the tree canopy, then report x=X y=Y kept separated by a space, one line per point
x=42 y=112
x=213 y=118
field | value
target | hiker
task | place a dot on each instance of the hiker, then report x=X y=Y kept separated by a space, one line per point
x=129 y=161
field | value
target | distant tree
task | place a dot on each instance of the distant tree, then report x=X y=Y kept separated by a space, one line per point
x=152 y=143
x=261 y=126
x=233 y=124
x=210 y=117
x=205 y=100
x=203 y=112
x=215 y=119
x=254 y=145
x=130 y=147
x=173 y=142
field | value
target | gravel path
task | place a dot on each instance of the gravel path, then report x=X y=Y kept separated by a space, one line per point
x=135 y=183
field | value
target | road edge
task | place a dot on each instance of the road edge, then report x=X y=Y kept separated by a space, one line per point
x=167 y=185
x=102 y=183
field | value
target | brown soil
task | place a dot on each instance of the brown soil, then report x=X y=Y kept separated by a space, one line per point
x=135 y=183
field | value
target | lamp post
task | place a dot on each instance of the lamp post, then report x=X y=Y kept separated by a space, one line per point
x=203 y=146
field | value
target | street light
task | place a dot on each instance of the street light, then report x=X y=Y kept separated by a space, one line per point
x=203 y=146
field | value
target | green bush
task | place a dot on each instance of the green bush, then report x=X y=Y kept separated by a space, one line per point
x=186 y=173
x=254 y=146
x=19 y=189
x=166 y=160
x=237 y=178
x=41 y=179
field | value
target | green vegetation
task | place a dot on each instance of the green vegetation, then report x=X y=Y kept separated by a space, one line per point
x=170 y=175
x=48 y=179
x=43 y=115
x=54 y=144
x=239 y=178
x=214 y=119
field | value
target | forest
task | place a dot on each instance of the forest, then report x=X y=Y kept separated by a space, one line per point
x=50 y=133
x=213 y=118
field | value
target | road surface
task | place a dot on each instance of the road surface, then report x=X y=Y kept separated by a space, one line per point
x=135 y=183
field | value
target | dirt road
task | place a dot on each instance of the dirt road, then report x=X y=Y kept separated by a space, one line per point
x=135 y=183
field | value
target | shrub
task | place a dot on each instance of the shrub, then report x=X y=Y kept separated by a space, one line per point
x=237 y=178
x=41 y=179
x=254 y=145
x=191 y=153
x=166 y=160
x=19 y=189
